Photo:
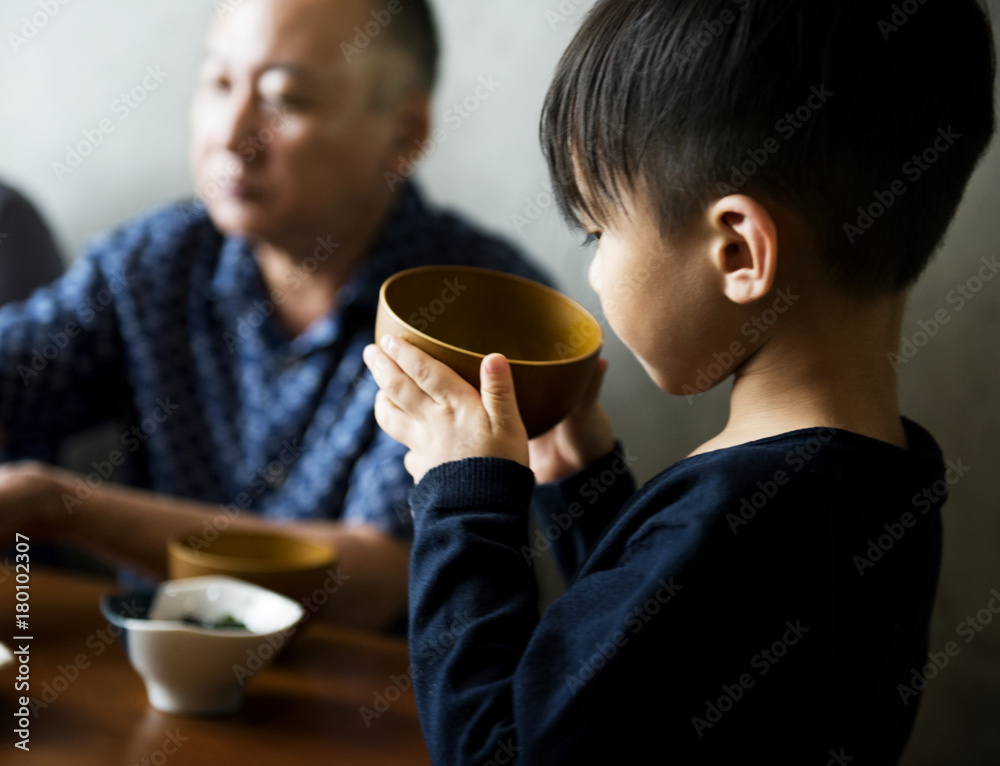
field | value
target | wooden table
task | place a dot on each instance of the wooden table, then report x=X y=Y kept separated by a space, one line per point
x=305 y=709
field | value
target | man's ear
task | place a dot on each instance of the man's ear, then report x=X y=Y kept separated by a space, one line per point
x=744 y=247
x=411 y=128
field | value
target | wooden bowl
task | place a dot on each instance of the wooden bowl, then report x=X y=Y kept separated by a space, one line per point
x=288 y=565
x=461 y=314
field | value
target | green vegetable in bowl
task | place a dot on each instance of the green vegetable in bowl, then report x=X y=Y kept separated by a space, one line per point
x=226 y=621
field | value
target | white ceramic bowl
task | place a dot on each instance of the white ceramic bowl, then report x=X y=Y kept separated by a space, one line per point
x=6 y=657
x=193 y=670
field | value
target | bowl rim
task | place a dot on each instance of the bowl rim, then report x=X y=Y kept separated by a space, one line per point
x=513 y=277
x=149 y=625
x=6 y=656
x=178 y=546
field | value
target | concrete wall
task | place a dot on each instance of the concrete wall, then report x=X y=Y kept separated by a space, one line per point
x=67 y=78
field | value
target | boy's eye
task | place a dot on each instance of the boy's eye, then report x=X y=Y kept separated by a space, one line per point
x=591 y=238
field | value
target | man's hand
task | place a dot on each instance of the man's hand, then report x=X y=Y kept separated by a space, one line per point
x=28 y=497
x=428 y=407
x=130 y=527
x=584 y=436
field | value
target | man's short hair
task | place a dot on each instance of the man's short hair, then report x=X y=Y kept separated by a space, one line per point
x=412 y=29
x=865 y=117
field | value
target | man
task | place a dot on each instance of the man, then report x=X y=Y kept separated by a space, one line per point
x=230 y=335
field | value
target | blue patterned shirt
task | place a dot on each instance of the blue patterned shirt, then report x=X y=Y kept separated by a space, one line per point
x=168 y=325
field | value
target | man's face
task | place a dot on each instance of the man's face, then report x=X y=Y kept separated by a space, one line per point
x=286 y=145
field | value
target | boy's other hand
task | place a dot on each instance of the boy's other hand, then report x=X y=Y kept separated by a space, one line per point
x=429 y=408
x=585 y=436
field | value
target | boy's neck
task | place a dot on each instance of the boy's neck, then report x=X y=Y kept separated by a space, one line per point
x=827 y=366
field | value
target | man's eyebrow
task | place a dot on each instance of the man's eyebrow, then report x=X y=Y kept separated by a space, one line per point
x=294 y=70
x=307 y=75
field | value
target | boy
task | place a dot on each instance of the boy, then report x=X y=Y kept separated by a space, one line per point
x=755 y=173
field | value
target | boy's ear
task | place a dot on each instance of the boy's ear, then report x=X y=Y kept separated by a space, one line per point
x=744 y=247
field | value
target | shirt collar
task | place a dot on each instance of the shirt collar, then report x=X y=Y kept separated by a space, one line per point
x=395 y=249
x=238 y=275
x=237 y=271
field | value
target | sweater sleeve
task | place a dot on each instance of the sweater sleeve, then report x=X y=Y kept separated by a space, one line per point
x=572 y=514
x=493 y=679
x=470 y=517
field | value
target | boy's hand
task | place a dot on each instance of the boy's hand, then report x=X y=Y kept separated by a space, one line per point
x=429 y=408
x=584 y=436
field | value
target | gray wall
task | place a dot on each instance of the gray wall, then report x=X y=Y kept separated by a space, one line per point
x=67 y=78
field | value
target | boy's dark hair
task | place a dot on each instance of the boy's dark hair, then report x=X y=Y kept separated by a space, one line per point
x=412 y=28
x=818 y=106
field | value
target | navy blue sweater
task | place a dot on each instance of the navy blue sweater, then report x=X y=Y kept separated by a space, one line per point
x=770 y=600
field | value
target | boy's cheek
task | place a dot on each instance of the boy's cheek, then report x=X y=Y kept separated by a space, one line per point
x=594 y=275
